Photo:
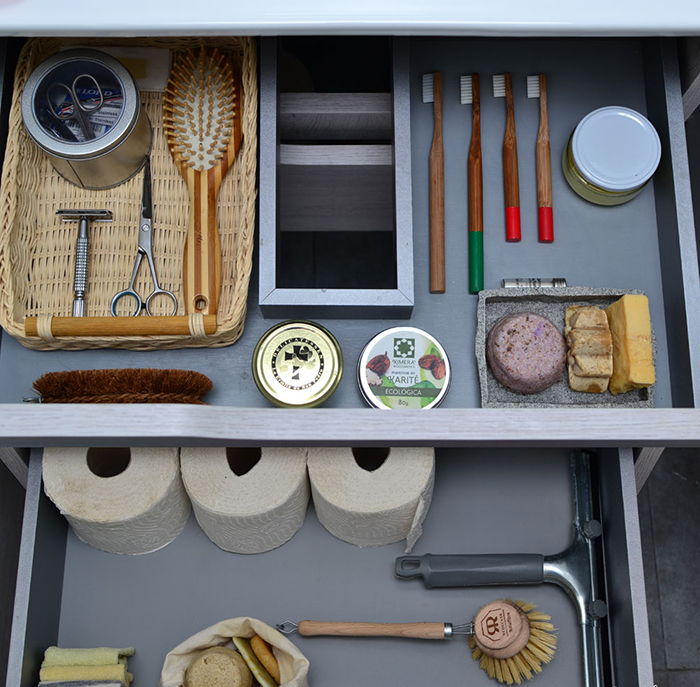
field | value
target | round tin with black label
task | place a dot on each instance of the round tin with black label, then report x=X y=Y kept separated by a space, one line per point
x=297 y=364
x=404 y=367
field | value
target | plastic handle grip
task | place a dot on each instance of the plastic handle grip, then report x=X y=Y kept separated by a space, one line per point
x=546 y=224
x=480 y=570
x=512 y=224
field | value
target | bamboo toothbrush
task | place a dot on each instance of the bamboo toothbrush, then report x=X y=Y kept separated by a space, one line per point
x=503 y=87
x=469 y=92
x=432 y=93
x=537 y=88
x=202 y=114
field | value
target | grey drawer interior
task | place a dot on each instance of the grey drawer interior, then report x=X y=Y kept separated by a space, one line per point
x=647 y=244
x=73 y=595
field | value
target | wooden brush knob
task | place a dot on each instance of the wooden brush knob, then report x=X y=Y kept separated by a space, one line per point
x=501 y=629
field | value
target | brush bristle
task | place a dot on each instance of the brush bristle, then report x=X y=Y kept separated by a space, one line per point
x=126 y=385
x=199 y=107
x=428 y=85
x=533 y=86
x=466 y=94
x=539 y=649
x=499 y=86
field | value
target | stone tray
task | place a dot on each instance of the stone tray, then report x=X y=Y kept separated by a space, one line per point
x=552 y=304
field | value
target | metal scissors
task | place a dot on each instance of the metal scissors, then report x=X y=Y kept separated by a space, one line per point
x=145 y=249
x=76 y=109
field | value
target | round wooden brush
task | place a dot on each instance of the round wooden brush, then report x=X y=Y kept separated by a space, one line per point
x=509 y=638
x=509 y=659
x=123 y=386
x=202 y=118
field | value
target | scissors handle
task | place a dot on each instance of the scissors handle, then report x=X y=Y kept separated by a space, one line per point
x=131 y=293
x=158 y=292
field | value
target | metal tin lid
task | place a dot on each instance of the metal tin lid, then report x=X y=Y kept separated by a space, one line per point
x=616 y=149
x=404 y=367
x=297 y=364
x=41 y=91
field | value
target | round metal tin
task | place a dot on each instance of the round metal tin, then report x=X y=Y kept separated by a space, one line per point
x=297 y=364
x=112 y=157
x=404 y=367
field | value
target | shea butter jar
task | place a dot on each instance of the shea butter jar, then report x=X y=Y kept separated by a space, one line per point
x=611 y=155
x=404 y=367
x=297 y=364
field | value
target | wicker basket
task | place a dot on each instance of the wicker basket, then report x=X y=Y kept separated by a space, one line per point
x=37 y=250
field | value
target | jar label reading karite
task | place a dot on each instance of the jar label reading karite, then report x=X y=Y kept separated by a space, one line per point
x=406 y=369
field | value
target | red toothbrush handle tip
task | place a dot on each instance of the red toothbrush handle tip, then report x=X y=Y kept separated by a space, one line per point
x=546 y=224
x=512 y=224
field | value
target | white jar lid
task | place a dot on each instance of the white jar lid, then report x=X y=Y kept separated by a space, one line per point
x=615 y=148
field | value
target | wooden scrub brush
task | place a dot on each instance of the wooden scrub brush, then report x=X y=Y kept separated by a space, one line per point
x=511 y=656
x=510 y=639
x=123 y=386
x=202 y=118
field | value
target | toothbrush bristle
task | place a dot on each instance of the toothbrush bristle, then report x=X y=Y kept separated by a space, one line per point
x=499 y=86
x=533 y=86
x=465 y=90
x=428 y=93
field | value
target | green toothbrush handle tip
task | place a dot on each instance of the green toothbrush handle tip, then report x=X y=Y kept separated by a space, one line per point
x=476 y=261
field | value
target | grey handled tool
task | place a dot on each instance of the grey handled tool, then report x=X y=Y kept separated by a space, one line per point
x=574 y=570
x=81 y=251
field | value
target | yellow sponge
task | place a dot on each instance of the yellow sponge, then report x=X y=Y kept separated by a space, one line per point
x=113 y=672
x=633 y=361
x=101 y=656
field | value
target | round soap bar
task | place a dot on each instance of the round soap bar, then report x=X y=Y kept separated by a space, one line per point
x=218 y=667
x=526 y=352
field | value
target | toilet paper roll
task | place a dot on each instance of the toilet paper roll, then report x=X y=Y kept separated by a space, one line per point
x=376 y=506
x=118 y=500
x=252 y=510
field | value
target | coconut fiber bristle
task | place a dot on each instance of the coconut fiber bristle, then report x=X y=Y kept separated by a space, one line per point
x=123 y=386
x=539 y=649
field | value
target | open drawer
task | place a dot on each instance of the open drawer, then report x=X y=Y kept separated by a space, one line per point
x=485 y=501
x=647 y=244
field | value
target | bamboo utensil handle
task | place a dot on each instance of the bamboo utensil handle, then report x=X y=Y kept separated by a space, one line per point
x=511 y=185
x=177 y=325
x=311 y=628
x=437 y=194
x=475 y=197
x=544 y=170
x=201 y=274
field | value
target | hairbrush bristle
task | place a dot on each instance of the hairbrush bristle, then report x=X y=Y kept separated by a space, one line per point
x=499 y=86
x=533 y=86
x=199 y=106
x=540 y=649
x=466 y=93
x=127 y=385
x=428 y=88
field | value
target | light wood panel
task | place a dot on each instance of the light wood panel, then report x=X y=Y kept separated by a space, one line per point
x=178 y=425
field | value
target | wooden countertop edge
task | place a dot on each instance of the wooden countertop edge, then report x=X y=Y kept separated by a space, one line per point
x=30 y=425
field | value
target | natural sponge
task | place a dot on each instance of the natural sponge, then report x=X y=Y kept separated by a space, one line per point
x=218 y=667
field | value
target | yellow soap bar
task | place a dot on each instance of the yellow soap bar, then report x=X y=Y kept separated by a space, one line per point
x=633 y=361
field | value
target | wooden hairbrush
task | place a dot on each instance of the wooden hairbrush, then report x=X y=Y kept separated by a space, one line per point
x=202 y=118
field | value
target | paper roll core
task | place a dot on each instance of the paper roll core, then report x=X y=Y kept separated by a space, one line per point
x=108 y=462
x=242 y=459
x=369 y=458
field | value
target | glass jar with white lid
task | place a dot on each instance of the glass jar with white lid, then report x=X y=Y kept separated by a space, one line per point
x=611 y=155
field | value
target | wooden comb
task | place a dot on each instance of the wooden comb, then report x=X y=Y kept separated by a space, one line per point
x=202 y=116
